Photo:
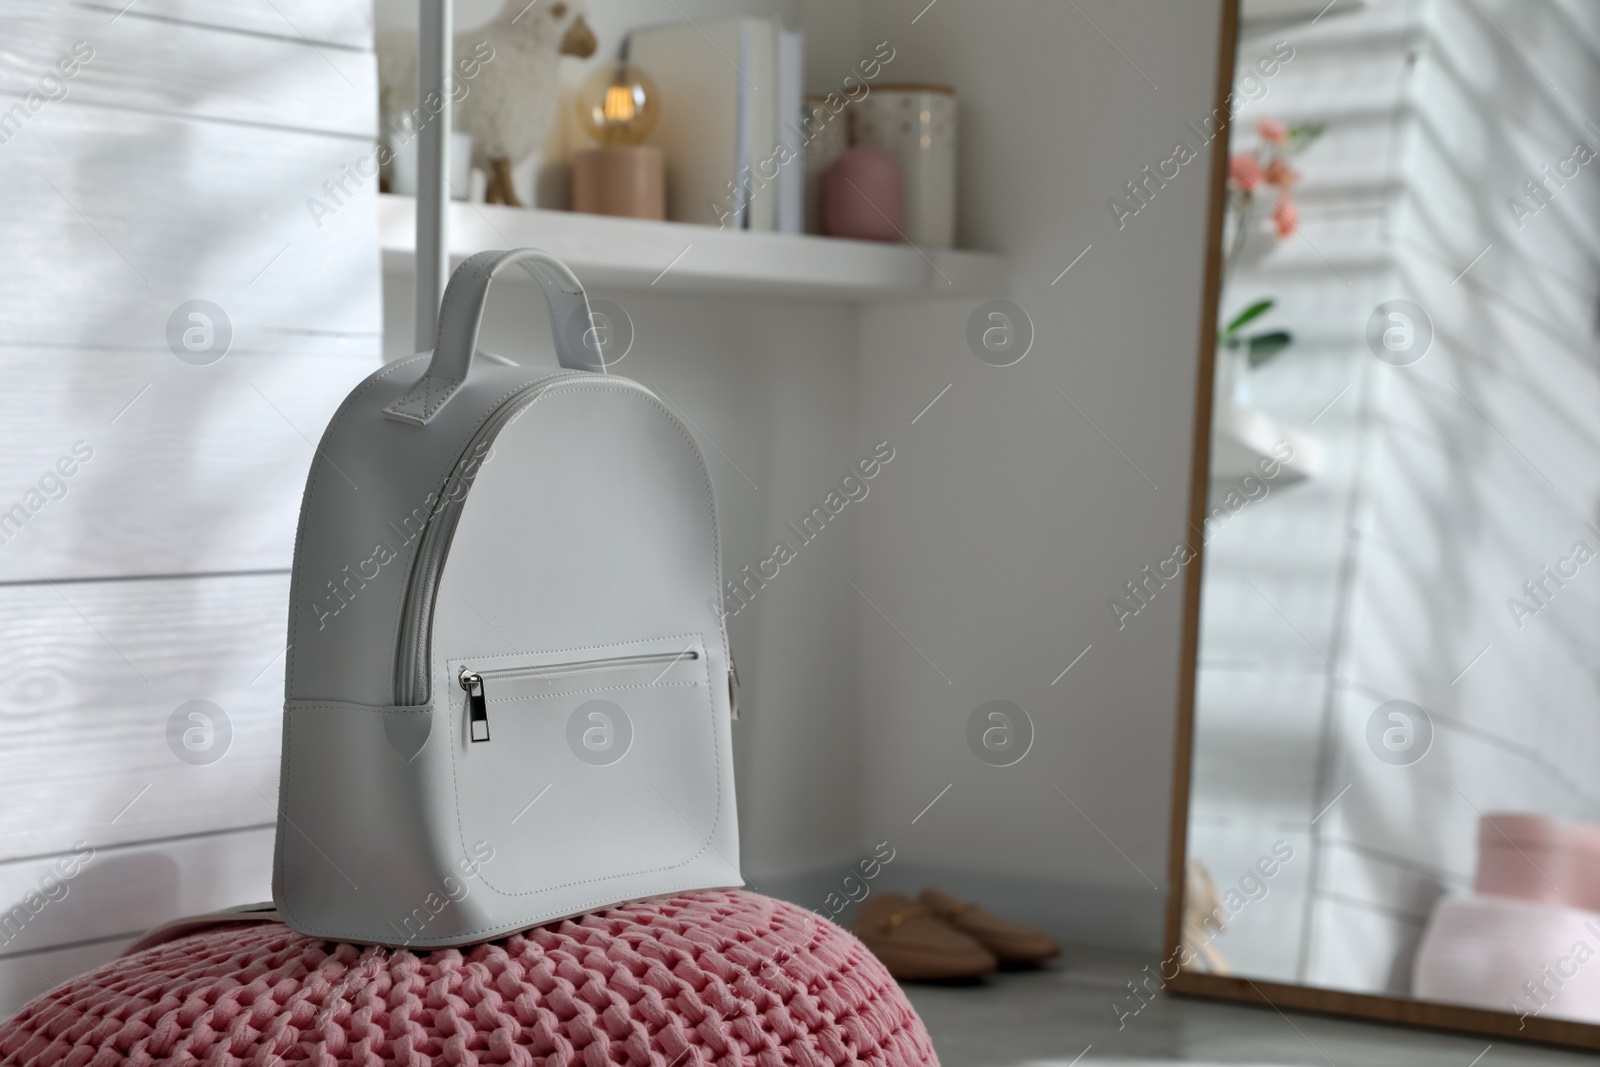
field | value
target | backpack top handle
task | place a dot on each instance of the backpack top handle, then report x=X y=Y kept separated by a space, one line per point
x=461 y=313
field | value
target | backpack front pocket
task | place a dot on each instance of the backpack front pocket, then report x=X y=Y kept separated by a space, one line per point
x=587 y=766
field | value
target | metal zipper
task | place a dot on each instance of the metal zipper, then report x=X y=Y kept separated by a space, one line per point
x=412 y=684
x=474 y=682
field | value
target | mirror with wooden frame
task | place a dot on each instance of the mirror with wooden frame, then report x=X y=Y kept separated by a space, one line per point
x=1388 y=784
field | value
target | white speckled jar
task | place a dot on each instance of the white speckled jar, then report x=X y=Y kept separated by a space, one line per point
x=917 y=125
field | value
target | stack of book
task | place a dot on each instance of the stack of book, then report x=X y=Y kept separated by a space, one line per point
x=732 y=96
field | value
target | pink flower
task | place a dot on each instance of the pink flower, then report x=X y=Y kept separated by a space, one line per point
x=1286 y=216
x=1273 y=131
x=1244 y=170
x=1282 y=175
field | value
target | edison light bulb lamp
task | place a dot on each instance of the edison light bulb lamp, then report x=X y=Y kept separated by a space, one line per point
x=618 y=106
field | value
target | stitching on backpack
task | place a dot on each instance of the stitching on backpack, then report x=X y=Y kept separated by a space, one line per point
x=704 y=679
x=345 y=705
x=427 y=396
x=599 y=689
x=579 y=648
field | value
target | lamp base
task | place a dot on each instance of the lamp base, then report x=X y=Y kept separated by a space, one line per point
x=626 y=180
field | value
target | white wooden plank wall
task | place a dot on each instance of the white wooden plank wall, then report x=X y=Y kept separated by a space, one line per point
x=174 y=165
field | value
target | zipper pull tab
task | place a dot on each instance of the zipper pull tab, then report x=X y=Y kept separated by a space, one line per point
x=477 y=705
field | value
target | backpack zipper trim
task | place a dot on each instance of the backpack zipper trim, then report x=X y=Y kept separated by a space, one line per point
x=475 y=682
x=412 y=674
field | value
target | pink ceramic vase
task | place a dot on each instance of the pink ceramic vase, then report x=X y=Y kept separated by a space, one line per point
x=864 y=196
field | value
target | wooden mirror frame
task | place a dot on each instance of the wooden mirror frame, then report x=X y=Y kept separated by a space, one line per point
x=1277 y=995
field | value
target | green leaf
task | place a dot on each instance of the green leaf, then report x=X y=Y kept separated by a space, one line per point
x=1304 y=133
x=1263 y=346
x=1254 y=311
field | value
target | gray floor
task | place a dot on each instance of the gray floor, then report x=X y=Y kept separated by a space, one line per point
x=1047 y=1018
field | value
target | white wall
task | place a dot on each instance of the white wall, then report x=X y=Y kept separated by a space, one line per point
x=1011 y=518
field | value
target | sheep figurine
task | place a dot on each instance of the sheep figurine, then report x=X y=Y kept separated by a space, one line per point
x=513 y=89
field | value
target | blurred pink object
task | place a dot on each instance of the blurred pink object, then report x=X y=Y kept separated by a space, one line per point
x=1273 y=131
x=1281 y=174
x=1286 y=216
x=1501 y=954
x=1539 y=859
x=864 y=196
x=1244 y=170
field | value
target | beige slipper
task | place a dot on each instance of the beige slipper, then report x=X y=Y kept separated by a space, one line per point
x=917 y=946
x=1009 y=942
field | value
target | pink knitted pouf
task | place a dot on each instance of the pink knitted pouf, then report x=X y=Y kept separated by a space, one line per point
x=724 y=978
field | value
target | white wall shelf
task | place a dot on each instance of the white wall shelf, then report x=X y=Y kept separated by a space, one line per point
x=1241 y=436
x=676 y=257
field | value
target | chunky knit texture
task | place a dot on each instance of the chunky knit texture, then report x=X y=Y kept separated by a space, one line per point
x=723 y=978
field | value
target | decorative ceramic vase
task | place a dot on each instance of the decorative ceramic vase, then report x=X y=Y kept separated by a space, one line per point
x=827 y=138
x=917 y=125
x=864 y=196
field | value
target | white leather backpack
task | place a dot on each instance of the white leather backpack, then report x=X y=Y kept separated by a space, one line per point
x=508 y=685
